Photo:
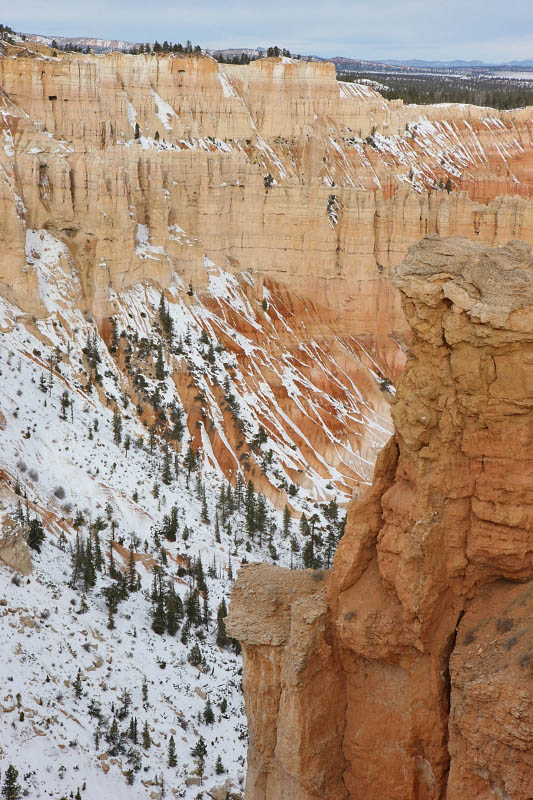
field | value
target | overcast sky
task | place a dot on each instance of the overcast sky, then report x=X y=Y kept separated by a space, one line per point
x=488 y=30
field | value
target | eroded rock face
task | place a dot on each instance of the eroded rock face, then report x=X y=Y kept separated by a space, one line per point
x=440 y=546
x=292 y=683
x=13 y=549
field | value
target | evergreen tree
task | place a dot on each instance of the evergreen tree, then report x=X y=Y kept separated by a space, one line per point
x=209 y=716
x=36 y=535
x=89 y=572
x=146 y=738
x=137 y=131
x=132 y=572
x=166 y=473
x=199 y=752
x=160 y=364
x=222 y=613
x=11 y=789
x=76 y=685
x=195 y=655
x=250 y=509
x=176 y=432
x=65 y=402
x=159 y=619
x=171 y=619
x=219 y=766
x=190 y=462
x=260 y=518
x=132 y=730
x=172 y=759
x=117 y=426
x=205 y=514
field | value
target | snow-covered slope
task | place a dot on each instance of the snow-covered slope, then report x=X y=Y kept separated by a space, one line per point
x=184 y=431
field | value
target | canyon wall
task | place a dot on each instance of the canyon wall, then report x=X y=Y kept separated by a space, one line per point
x=148 y=170
x=274 y=167
x=406 y=670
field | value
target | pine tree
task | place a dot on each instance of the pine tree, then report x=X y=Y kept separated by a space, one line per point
x=159 y=620
x=11 y=789
x=260 y=517
x=205 y=514
x=36 y=535
x=219 y=766
x=222 y=613
x=195 y=655
x=64 y=405
x=199 y=752
x=174 y=611
x=209 y=716
x=166 y=473
x=117 y=426
x=146 y=738
x=76 y=685
x=89 y=572
x=172 y=759
x=250 y=509
x=113 y=734
x=160 y=364
x=132 y=572
x=137 y=131
x=98 y=557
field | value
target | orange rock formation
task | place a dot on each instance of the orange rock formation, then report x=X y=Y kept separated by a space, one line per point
x=313 y=186
x=406 y=672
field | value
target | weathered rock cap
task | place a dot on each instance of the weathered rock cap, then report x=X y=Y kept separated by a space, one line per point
x=261 y=601
x=493 y=286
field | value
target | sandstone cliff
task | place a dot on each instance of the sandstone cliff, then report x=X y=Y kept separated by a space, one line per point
x=310 y=188
x=413 y=679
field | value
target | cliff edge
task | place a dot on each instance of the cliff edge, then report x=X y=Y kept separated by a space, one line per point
x=405 y=672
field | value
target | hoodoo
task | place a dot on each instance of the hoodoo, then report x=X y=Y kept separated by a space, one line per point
x=406 y=671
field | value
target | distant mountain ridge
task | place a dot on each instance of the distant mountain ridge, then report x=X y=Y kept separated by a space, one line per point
x=343 y=62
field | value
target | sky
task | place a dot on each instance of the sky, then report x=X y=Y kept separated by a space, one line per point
x=429 y=29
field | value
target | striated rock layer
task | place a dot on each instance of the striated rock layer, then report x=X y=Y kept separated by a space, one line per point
x=412 y=680
x=144 y=171
x=274 y=167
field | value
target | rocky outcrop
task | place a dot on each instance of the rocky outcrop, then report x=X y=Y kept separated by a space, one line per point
x=430 y=597
x=292 y=684
x=13 y=549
